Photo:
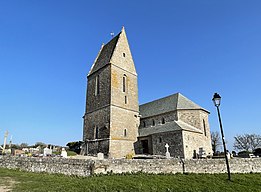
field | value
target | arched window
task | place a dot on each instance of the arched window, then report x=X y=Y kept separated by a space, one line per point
x=204 y=126
x=97 y=85
x=163 y=120
x=124 y=83
x=125 y=132
x=153 y=122
x=123 y=54
x=96 y=132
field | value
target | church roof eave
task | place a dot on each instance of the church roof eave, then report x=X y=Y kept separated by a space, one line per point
x=168 y=127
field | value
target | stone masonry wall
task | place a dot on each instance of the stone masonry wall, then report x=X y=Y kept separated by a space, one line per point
x=191 y=117
x=99 y=119
x=194 y=141
x=97 y=146
x=49 y=165
x=174 y=140
x=95 y=102
x=90 y=167
x=168 y=117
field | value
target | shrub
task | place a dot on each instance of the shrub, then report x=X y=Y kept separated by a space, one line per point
x=243 y=153
x=257 y=152
x=71 y=153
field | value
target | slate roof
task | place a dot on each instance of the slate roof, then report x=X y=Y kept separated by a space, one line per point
x=104 y=55
x=167 y=127
x=167 y=104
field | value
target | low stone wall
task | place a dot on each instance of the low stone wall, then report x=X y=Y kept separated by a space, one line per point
x=177 y=166
x=50 y=165
x=82 y=167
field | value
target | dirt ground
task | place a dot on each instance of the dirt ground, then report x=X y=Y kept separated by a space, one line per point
x=6 y=184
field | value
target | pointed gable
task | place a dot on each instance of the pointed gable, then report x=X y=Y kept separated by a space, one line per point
x=167 y=104
x=122 y=56
x=116 y=52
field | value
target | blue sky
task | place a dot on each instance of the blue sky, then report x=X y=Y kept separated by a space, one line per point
x=193 y=47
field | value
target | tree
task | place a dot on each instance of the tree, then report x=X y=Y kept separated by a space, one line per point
x=14 y=146
x=23 y=145
x=41 y=144
x=75 y=146
x=247 y=142
x=215 y=141
x=257 y=152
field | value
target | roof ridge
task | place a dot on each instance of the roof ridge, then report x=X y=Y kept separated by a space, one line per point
x=118 y=36
x=162 y=98
x=193 y=105
x=180 y=97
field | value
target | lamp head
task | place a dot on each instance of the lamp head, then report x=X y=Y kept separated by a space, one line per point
x=216 y=99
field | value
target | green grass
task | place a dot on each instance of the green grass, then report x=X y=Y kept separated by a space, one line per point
x=24 y=181
x=71 y=153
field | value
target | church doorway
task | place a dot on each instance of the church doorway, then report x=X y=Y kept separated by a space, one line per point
x=145 y=146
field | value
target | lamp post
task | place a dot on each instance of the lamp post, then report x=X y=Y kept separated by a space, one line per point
x=216 y=99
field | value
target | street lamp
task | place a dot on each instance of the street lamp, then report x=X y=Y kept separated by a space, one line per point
x=216 y=99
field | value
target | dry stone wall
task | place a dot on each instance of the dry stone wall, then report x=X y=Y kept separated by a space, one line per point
x=49 y=165
x=82 y=167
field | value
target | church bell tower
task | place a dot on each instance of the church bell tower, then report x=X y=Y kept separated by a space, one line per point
x=111 y=118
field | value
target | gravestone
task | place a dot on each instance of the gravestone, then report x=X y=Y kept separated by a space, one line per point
x=100 y=156
x=202 y=153
x=64 y=153
x=167 y=151
x=47 y=151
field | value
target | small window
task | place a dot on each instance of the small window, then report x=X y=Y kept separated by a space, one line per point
x=163 y=121
x=204 y=126
x=96 y=132
x=123 y=54
x=125 y=132
x=144 y=124
x=124 y=83
x=97 y=85
x=153 y=122
x=160 y=140
x=126 y=99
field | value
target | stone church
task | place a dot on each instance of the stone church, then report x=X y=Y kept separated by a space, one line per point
x=116 y=125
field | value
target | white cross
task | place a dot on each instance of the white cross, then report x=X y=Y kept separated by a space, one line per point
x=167 y=147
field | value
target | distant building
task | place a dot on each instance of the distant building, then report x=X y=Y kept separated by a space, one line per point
x=18 y=152
x=116 y=125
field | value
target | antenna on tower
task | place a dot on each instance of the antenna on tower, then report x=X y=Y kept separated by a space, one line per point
x=112 y=34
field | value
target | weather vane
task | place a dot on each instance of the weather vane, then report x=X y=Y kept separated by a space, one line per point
x=112 y=34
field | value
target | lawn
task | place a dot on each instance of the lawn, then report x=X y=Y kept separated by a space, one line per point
x=23 y=181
